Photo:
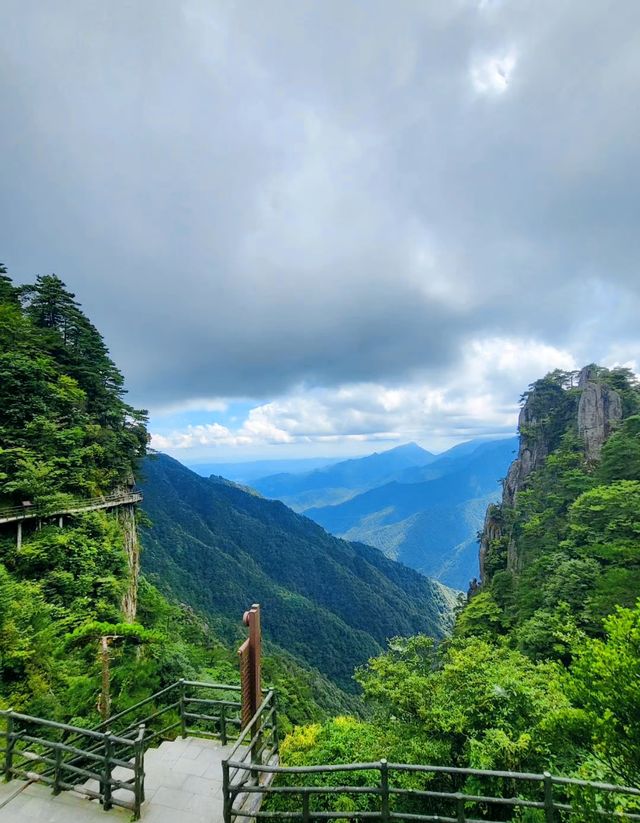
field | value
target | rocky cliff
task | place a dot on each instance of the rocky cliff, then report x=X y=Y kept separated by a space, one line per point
x=582 y=401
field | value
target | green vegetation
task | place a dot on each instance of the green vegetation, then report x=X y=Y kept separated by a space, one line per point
x=329 y=603
x=65 y=433
x=543 y=669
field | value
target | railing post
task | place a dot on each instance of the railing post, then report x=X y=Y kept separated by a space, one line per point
x=226 y=796
x=274 y=722
x=223 y=725
x=460 y=808
x=8 y=753
x=57 y=769
x=548 y=798
x=106 y=774
x=183 y=719
x=384 y=790
x=305 y=807
x=138 y=773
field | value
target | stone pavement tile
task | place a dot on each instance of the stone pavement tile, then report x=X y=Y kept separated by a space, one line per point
x=209 y=809
x=163 y=777
x=164 y=814
x=192 y=752
x=8 y=789
x=202 y=787
x=196 y=767
x=173 y=798
x=213 y=772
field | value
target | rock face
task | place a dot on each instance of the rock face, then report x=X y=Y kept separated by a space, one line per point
x=491 y=531
x=599 y=410
x=127 y=518
x=532 y=453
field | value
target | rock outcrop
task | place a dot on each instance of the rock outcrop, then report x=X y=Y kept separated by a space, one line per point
x=599 y=410
x=127 y=519
x=532 y=453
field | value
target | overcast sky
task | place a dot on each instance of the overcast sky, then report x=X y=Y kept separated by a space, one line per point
x=328 y=226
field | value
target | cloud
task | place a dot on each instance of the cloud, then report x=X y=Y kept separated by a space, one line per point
x=493 y=74
x=249 y=198
x=479 y=398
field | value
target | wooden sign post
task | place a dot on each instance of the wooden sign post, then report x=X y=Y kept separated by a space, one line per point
x=250 y=654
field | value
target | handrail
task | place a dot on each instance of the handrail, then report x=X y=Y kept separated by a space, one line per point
x=91 y=754
x=12 y=513
x=426 y=802
x=64 y=766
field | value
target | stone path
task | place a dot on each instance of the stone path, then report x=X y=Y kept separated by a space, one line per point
x=183 y=784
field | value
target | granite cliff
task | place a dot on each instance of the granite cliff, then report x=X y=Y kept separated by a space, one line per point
x=586 y=402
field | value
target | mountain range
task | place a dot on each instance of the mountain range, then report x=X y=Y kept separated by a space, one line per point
x=422 y=509
x=331 y=603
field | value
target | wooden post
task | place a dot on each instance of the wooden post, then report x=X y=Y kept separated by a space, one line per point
x=106 y=773
x=181 y=708
x=138 y=774
x=19 y=534
x=105 y=698
x=549 y=815
x=227 y=802
x=384 y=790
x=8 y=752
x=57 y=770
x=250 y=655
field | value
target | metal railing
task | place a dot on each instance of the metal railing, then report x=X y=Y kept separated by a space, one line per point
x=248 y=770
x=72 y=506
x=65 y=756
x=380 y=791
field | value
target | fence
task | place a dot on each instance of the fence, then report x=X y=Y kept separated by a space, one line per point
x=381 y=791
x=71 y=506
x=248 y=771
x=37 y=749
x=97 y=762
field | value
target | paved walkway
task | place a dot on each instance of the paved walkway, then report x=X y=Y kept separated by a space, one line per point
x=183 y=784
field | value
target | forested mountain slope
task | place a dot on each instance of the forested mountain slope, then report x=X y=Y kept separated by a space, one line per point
x=542 y=671
x=67 y=433
x=563 y=547
x=341 y=481
x=331 y=603
x=430 y=517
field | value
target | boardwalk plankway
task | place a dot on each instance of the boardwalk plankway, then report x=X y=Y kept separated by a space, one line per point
x=16 y=514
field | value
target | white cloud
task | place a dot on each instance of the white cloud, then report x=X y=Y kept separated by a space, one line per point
x=492 y=75
x=478 y=398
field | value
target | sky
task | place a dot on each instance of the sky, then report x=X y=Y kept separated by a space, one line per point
x=325 y=228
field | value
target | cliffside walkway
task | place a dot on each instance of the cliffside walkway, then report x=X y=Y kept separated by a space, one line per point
x=16 y=514
x=164 y=759
x=183 y=782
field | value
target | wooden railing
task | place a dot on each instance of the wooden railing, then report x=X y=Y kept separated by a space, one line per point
x=67 y=757
x=243 y=781
x=379 y=791
x=40 y=750
x=72 y=506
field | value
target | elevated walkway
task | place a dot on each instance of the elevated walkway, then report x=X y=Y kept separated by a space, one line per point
x=16 y=514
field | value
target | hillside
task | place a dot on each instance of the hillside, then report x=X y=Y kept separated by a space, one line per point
x=561 y=548
x=428 y=518
x=330 y=603
x=341 y=481
x=68 y=435
x=542 y=671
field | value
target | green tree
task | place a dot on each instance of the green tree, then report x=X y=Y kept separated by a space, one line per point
x=605 y=682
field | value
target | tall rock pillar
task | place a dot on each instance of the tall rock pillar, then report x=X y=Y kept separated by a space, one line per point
x=127 y=518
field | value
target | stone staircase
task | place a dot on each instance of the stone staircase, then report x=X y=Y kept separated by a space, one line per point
x=183 y=784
